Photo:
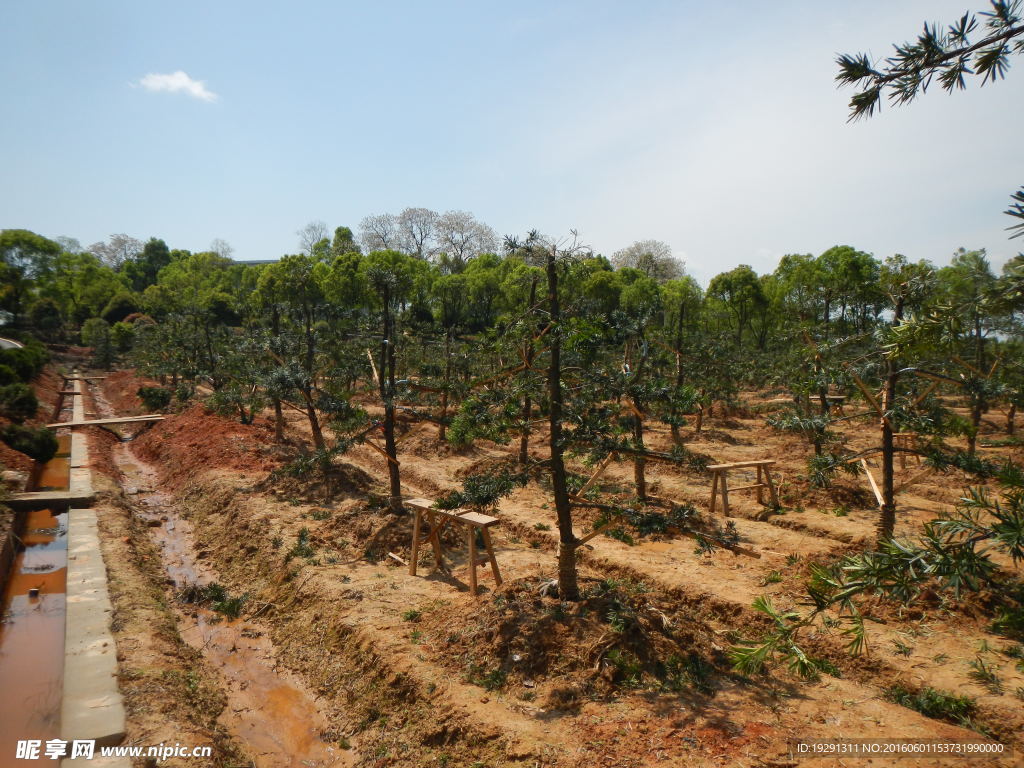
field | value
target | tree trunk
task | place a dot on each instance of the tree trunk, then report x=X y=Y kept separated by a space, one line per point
x=394 y=477
x=527 y=412
x=275 y=328
x=674 y=427
x=639 y=462
x=887 y=519
x=278 y=421
x=310 y=386
x=524 y=437
x=314 y=423
x=823 y=402
x=387 y=393
x=972 y=436
x=568 y=588
x=441 y=428
x=1010 y=417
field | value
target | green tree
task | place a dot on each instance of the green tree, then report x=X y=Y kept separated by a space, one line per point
x=46 y=319
x=25 y=257
x=96 y=334
x=344 y=242
x=452 y=297
x=741 y=293
x=81 y=285
x=682 y=300
x=292 y=288
x=142 y=270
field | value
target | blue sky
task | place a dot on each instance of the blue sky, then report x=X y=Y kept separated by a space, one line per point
x=715 y=127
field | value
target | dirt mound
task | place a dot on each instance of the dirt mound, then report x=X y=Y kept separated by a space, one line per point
x=308 y=480
x=187 y=443
x=488 y=465
x=421 y=440
x=101 y=446
x=718 y=436
x=120 y=389
x=839 y=494
x=618 y=636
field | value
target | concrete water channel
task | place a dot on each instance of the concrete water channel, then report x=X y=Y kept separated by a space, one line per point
x=32 y=632
x=57 y=661
x=58 y=669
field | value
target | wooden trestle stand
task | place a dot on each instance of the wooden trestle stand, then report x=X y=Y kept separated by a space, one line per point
x=720 y=482
x=428 y=524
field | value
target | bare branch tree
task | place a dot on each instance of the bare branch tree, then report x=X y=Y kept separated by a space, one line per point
x=461 y=236
x=117 y=250
x=379 y=232
x=311 y=234
x=69 y=244
x=221 y=247
x=652 y=257
x=417 y=227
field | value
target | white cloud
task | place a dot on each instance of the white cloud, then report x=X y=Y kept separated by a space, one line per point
x=178 y=82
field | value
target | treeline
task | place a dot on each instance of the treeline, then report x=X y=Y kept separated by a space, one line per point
x=490 y=345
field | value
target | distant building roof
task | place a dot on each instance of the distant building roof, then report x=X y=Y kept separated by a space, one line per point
x=256 y=262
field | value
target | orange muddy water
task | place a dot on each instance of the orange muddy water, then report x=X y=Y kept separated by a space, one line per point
x=269 y=710
x=32 y=627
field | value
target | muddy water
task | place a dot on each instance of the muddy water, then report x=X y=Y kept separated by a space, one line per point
x=269 y=710
x=32 y=628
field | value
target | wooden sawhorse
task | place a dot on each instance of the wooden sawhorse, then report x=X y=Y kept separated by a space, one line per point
x=720 y=482
x=435 y=521
x=907 y=440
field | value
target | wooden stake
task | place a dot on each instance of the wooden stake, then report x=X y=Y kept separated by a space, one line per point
x=414 y=555
x=597 y=473
x=373 y=365
x=869 y=396
x=968 y=366
x=928 y=390
x=381 y=451
x=910 y=481
x=599 y=530
x=874 y=485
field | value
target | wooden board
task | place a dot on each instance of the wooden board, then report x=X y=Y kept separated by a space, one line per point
x=740 y=464
x=42 y=498
x=419 y=503
x=101 y=422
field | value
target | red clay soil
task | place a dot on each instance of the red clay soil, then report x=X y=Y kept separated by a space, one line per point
x=120 y=388
x=46 y=385
x=198 y=440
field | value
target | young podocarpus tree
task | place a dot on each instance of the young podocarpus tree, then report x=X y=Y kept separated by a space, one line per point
x=390 y=275
x=291 y=288
x=682 y=299
x=640 y=302
x=568 y=587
